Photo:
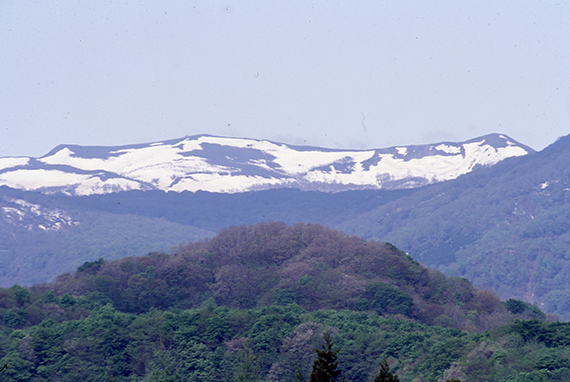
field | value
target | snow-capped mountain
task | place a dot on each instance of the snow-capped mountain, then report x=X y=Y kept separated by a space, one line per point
x=233 y=165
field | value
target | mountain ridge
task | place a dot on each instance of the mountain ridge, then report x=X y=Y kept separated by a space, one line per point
x=231 y=165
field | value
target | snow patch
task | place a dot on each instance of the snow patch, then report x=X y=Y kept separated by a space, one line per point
x=402 y=150
x=448 y=149
x=83 y=184
x=13 y=162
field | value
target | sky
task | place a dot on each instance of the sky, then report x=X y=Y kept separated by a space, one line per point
x=336 y=74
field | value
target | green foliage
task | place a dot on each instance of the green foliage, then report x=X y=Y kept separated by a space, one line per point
x=162 y=367
x=67 y=300
x=385 y=298
x=515 y=306
x=18 y=369
x=247 y=369
x=22 y=295
x=220 y=344
x=91 y=266
x=284 y=296
x=50 y=297
x=15 y=318
x=525 y=309
x=551 y=359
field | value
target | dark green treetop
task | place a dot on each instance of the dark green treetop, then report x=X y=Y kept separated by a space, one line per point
x=385 y=375
x=325 y=367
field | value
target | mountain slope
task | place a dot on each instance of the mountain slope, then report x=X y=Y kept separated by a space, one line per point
x=230 y=165
x=505 y=228
x=41 y=238
x=44 y=235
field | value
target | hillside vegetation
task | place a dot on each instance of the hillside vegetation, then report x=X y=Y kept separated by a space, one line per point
x=505 y=228
x=256 y=299
x=310 y=265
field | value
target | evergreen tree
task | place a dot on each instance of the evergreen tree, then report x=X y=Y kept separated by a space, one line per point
x=325 y=366
x=299 y=375
x=385 y=375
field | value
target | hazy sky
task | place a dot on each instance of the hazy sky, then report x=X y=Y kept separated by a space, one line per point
x=339 y=74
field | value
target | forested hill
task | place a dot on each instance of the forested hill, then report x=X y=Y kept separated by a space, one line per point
x=273 y=263
x=252 y=303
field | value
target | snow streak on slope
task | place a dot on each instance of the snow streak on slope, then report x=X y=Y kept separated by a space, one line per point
x=232 y=165
x=33 y=216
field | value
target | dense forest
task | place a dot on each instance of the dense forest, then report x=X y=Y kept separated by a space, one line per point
x=254 y=302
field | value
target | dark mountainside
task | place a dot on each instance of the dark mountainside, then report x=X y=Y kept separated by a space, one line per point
x=132 y=223
x=505 y=228
x=44 y=237
x=253 y=302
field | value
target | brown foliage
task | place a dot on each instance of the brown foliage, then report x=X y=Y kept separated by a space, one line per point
x=486 y=301
x=261 y=264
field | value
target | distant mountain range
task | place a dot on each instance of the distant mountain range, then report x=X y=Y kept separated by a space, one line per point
x=504 y=226
x=232 y=165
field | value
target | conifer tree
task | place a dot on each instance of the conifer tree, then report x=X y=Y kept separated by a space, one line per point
x=325 y=367
x=385 y=375
x=299 y=375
